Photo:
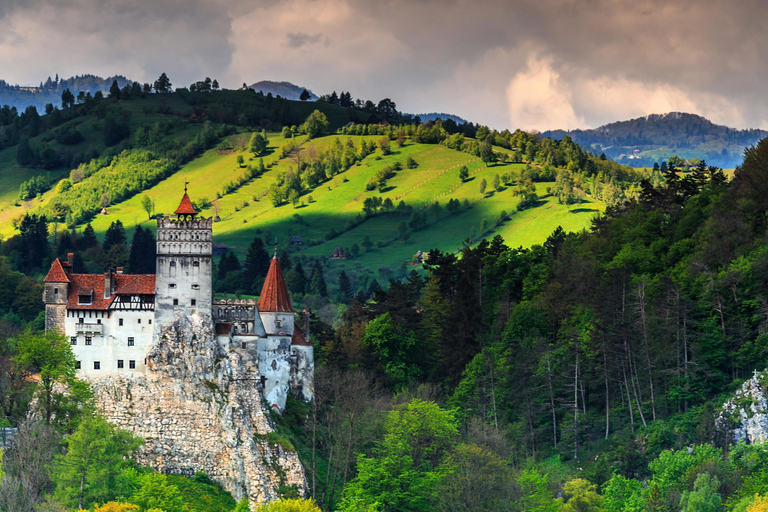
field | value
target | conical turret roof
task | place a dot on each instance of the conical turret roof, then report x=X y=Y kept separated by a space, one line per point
x=185 y=207
x=274 y=295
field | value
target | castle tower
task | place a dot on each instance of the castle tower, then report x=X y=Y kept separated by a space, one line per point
x=285 y=355
x=184 y=264
x=56 y=293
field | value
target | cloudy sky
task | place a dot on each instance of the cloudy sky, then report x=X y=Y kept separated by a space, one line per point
x=531 y=64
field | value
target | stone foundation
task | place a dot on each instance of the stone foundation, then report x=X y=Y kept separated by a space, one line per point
x=199 y=408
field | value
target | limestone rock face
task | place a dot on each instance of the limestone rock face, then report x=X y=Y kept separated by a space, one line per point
x=199 y=408
x=745 y=416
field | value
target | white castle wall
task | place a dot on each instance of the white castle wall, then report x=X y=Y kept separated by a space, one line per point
x=110 y=340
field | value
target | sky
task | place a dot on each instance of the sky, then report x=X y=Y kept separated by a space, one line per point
x=529 y=64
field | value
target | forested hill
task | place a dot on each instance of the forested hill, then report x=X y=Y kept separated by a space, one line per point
x=285 y=90
x=21 y=96
x=652 y=139
x=440 y=115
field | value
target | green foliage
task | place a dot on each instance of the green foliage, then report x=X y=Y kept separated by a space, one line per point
x=392 y=347
x=704 y=497
x=33 y=187
x=403 y=473
x=50 y=356
x=294 y=505
x=156 y=492
x=315 y=125
x=97 y=453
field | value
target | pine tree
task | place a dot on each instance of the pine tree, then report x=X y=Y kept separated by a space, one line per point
x=317 y=284
x=345 y=287
x=115 y=235
x=256 y=261
x=88 y=239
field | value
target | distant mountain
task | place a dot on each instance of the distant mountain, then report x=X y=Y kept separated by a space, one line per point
x=641 y=142
x=284 y=89
x=22 y=96
x=434 y=115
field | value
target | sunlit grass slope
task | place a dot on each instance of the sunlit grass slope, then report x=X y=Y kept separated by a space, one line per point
x=249 y=211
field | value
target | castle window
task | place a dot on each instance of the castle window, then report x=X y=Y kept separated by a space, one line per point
x=274 y=364
x=277 y=324
x=194 y=302
x=98 y=321
x=97 y=365
x=149 y=321
x=139 y=320
x=195 y=263
x=130 y=342
x=175 y=302
x=243 y=345
x=119 y=364
x=195 y=286
x=73 y=340
x=88 y=340
x=55 y=291
x=171 y=285
x=132 y=364
x=80 y=320
x=119 y=321
x=85 y=299
x=77 y=365
x=173 y=263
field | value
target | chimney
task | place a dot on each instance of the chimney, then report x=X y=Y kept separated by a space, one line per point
x=109 y=283
x=70 y=259
x=119 y=270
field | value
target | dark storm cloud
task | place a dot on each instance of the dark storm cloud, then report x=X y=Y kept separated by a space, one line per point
x=299 y=39
x=508 y=63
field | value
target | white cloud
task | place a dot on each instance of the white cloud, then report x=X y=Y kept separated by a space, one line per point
x=538 y=99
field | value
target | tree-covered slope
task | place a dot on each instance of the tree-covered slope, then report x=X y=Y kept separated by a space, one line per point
x=656 y=137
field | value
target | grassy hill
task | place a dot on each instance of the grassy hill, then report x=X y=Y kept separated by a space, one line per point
x=328 y=216
x=334 y=205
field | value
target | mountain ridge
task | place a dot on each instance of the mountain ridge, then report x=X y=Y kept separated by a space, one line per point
x=283 y=88
x=643 y=141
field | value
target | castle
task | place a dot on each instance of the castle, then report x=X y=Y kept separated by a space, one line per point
x=113 y=319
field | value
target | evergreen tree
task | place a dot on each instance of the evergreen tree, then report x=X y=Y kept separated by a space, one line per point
x=34 y=242
x=345 y=287
x=24 y=154
x=142 y=259
x=256 y=262
x=317 y=284
x=296 y=279
x=114 y=90
x=115 y=235
x=304 y=95
x=88 y=239
x=285 y=261
x=97 y=452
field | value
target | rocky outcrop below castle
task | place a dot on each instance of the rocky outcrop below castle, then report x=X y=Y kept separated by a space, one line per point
x=745 y=416
x=199 y=408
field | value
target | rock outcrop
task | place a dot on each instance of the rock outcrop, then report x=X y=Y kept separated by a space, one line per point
x=745 y=416
x=200 y=409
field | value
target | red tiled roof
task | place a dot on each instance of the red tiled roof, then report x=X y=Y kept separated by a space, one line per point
x=223 y=327
x=185 y=207
x=57 y=273
x=133 y=284
x=274 y=295
x=299 y=338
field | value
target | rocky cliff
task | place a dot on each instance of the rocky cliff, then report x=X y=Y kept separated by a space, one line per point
x=745 y=416
x=200 y=409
